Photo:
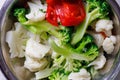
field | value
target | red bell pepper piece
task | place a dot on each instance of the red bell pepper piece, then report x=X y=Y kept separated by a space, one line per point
x=68 y=12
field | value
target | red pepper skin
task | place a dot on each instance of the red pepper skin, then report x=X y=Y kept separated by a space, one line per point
x=69 y=12
x=51 y=16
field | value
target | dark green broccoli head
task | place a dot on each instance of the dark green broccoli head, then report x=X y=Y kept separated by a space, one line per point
x=105 y=9
x=20 y=14
x=66 y=33
x=59 y=74
x=84 y=41
x=91 y=50
x=103 y=6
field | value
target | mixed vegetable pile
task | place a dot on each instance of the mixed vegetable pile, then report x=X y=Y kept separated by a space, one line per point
x=62 y=40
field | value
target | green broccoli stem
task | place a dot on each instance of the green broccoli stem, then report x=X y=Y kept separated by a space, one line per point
x=43 y=26
x=84 y=41
x=81 y=29
x=44 y=73
x=94 y=15
x=69 y=53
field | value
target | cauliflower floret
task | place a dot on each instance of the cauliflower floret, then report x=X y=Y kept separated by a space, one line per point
x=104 y=26
x=82 y=75
x=16 y=40
x=113 y=39
x=98 y=39
x=36 y=50
x=99 y=62
x=37 y=11
x=108 y=44
x=35 y=65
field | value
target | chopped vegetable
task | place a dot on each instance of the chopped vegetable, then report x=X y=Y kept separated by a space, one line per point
x=20 y=14
x=56 y=42
x=68 y=12
x=85 y=51
x=81 y=75
x=44 y=73
x=59 y=74
x=108 y=45
x=37 y=11
x=95 y=9
x=16 y=40
x=99 y=62
x=104 y=26
x=64 y=34
x=35 y=65
x=99 y=38
x=36 y=50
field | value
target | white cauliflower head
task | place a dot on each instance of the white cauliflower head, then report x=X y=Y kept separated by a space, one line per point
x=37 y=11
x=104 y=26
x=113 y=39
x=99 y=38
x=99 y=62
x=35 y=65
x=16 y=40
x=81 y=75
x=36 y=50
x=108 y=44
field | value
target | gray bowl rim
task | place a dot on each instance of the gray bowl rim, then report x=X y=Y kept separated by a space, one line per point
x=5 y=69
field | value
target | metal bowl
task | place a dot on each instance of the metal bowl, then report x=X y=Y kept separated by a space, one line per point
x=14 y=71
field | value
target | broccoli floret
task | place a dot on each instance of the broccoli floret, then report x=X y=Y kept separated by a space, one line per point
x=87 y=52
x=91 y=50
x=95 y=9
x=85 y=40
x=71 y=59
x=72 y=65
x=20 y=14
x=39 y=27
x=62 y=33
x=59 y=74
x=67 y=63
x=35 y=27
x=65 y=35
